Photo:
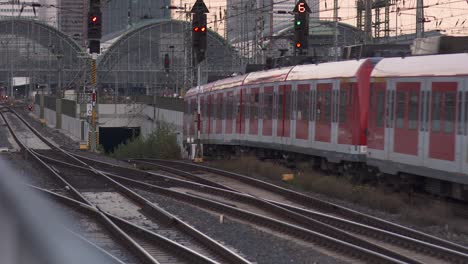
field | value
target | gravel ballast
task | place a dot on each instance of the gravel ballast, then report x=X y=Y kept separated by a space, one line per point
x=254 y=244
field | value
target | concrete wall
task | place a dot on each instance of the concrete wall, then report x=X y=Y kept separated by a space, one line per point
x=73 y=127
x=116 y=115
x=138 y=115
x=51 y=117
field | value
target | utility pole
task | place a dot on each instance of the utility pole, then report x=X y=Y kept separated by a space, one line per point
x=335 y=18
x=199 y=38
x=94 y=44
x=420 y=19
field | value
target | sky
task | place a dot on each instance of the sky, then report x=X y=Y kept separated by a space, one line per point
x=450 y=16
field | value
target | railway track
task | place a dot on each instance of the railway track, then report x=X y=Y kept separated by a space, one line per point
x=166 y=252
x=285 y=197
x=89 y=193
x=341 y=244
x=311 y=220
x=361 y=224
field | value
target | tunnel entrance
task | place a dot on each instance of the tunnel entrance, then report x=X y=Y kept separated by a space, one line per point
x=111 y=137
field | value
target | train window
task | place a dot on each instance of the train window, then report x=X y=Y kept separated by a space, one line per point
x=280 y=105
x=343 y=104
x=227 y=107
x=436 y=111
x=219 y=106
x=254 y=102
x=231 y=106
x=401 y=109
x=466 y=113
x=449 y=113
x=287 y=111
x=202 y=108
x=327 y=106
x=246 y=105
x=459 y=113
x=212 y=106
x=380 y=104
x=268 y=104
x=319 y=104
x=312 y=105
x=413 y=110
x=237 y=105
x=303 y=104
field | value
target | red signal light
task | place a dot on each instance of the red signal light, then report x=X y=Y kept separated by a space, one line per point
x=94 y=19
x=196 y=29
x=298 y=45
x=203 y=29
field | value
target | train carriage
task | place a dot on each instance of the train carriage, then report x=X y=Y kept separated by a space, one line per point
x=418 y=114
x=319 y=110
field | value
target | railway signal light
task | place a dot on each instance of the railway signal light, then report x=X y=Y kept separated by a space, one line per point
x=301 y=26
x=199 y=32
x=94 y=26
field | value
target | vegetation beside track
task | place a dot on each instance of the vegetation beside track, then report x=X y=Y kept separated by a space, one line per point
x=161 y=144
x=309 y=179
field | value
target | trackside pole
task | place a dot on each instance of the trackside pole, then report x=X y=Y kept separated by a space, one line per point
x=198 y=148
x=93 y=136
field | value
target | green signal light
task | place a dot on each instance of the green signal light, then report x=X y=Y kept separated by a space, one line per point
x=298 y=23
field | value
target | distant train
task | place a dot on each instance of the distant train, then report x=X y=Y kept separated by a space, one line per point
x=397 y=118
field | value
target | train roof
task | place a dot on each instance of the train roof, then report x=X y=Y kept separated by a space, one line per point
x=329 y=70
x=434 y=65
x=342 y=69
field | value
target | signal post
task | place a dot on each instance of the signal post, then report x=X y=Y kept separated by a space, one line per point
x=94 y=45
x=199 y=37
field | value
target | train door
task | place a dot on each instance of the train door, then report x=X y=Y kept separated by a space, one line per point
x=302 y=111
x=240 y=111
x=185 y=126
x=219 y=113
x=284 y=111
x=464 y=117
x=193 y=117
x=210 y=113
x=376 y=116
x=254 y=107
x=313 y=114
x=323 y=112
x=229 y=113
x=202 y=115
x=347 y=123
x=268 y=110
x=406 y=132
x=442 y=129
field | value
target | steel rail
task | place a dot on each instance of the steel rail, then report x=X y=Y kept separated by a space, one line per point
x=134 y=247
x=155 y=211
x=332 y=235
x=319 y=204
x=318 y=222
x=176 y=248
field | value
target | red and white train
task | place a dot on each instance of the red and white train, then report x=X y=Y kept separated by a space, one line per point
x=401 y=118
